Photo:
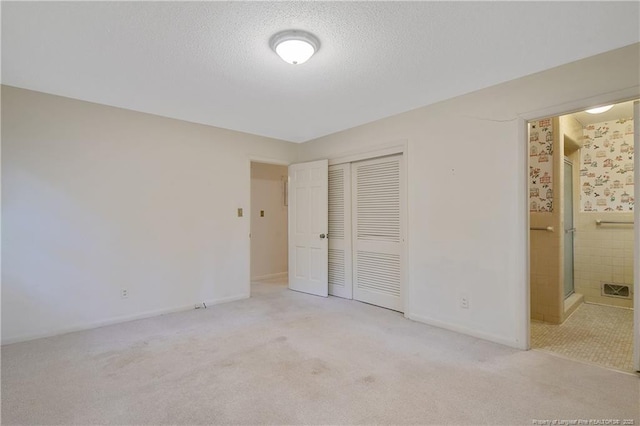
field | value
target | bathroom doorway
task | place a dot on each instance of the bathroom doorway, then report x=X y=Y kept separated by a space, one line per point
x=582 y=235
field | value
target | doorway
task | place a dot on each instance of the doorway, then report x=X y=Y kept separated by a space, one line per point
x=582 y=280
x=268 y=222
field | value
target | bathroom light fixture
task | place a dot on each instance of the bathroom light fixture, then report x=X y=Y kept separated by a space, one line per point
x=599 y=110
x=294 y=46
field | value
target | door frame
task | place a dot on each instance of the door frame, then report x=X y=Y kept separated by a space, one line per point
x=614 y=97
x=400 y=146
x=636 y=239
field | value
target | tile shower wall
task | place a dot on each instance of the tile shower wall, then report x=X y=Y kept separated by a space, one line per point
x=604 y=253
x=541 y=165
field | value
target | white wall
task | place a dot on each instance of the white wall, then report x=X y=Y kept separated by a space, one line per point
x=467 y=200
x=96 y=199
x=269 y=245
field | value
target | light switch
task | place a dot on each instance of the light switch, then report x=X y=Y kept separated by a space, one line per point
x=261 y=213
x=240 y=212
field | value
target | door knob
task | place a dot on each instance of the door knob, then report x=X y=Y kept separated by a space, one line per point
x=322 y=236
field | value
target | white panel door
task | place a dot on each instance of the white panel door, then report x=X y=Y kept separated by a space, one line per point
x=308 y=217
x=340 y=272
x=378 y=232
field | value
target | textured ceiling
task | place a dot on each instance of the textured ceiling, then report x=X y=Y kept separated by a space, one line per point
x=210 y=62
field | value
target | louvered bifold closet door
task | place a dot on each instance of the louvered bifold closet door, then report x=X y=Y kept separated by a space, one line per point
x=340 y=276
x=377 y=236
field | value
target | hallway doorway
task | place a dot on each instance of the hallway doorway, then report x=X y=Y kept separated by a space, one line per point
x=269 y=221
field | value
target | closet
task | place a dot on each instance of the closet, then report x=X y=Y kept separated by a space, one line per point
x=366 y=228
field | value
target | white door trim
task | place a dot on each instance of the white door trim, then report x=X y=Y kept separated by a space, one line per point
x=615 y=97
x=523 y=324
x=267 y=160
x=636 y=246
x=383 y=150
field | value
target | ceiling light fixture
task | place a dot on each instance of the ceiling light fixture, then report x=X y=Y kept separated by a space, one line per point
x=294 y=46
x=599 y=110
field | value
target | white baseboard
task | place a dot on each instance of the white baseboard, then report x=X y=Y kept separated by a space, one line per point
x=270 y=276
x=118 y=320
x=226 y=299
x=469 y=332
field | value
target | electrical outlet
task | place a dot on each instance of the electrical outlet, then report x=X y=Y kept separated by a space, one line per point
x=124 y=293
x=464 y=301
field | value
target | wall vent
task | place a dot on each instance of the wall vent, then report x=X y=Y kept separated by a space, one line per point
x=616 y=290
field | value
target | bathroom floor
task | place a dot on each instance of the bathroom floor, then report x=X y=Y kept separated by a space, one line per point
x=594 y=333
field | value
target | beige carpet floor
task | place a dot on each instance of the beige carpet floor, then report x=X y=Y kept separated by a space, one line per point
x=283 y=357
x=593 y=333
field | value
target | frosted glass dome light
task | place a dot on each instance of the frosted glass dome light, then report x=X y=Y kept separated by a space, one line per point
x=599 y=110
x=295 y=46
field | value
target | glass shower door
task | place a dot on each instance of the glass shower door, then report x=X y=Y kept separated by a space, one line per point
x=568 y=228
